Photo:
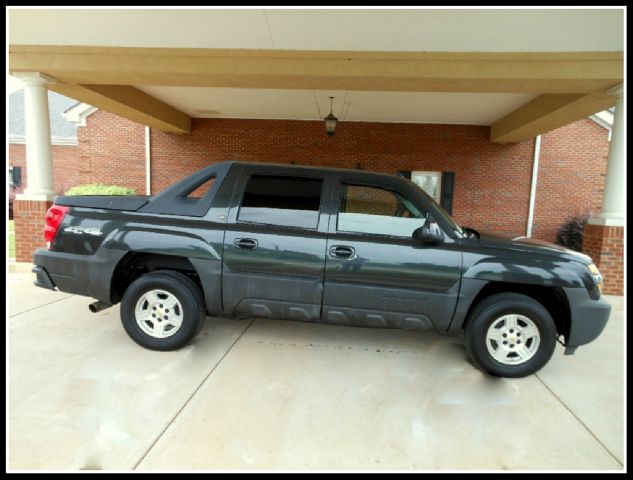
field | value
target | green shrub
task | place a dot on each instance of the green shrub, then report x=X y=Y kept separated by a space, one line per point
x=100 y=189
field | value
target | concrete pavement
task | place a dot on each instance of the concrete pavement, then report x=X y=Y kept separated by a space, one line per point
x=265 y=394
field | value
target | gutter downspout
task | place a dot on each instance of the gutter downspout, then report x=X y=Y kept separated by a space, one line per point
x=537 y=155
x=148 y=162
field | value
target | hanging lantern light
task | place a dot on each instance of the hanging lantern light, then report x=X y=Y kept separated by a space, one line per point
x=330 y=121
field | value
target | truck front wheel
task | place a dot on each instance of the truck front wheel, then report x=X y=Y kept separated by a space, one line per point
x=162 y=310
x=510 y=335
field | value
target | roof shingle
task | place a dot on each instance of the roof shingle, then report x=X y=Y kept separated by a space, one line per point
x=57 y=104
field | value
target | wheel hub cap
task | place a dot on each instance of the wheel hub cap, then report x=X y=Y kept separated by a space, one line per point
x=158 y=313
x=512 y=339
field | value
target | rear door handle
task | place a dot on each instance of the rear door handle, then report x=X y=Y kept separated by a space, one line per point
x=245 y=243
x=342 y=251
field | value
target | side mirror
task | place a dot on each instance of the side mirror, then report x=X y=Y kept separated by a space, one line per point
x=428 y=234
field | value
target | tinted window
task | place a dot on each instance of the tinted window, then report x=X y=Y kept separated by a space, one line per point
x=287 y=201
x=379 y=211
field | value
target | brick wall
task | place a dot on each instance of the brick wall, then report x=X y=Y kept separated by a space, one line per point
x=66 y=165
x=30 y=220
x=112 y=151
x=605 y=245
x=572 y=171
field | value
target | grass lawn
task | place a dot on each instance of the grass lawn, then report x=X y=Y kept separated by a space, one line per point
x=11 y=240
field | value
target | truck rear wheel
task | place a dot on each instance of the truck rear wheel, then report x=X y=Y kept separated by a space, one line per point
x=510 y=335
x=162 y=310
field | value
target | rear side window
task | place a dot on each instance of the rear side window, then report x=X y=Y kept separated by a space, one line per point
x=192 y=196
x=202 y=190
x=280 y=200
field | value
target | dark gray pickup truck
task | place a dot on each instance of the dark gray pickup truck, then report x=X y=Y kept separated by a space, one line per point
x=318 y=245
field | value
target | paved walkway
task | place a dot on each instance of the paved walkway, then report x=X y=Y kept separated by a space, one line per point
x=265 y=394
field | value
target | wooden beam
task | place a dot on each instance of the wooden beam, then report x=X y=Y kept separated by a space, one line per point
x=546 y=113
x=130 y=103
x=521 y=72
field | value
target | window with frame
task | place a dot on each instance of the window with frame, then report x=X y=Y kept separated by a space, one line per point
x=376 y=210
x=282 y=200
x=430 y=182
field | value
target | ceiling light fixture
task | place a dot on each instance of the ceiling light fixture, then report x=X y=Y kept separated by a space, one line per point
x=330 y=121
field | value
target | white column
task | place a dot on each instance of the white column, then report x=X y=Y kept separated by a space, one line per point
x=614 y=188
x=537 y=155
x=148 y=161
x=39 y=158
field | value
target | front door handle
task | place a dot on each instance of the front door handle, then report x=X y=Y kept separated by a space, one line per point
x=342 y=251
x=245 y=243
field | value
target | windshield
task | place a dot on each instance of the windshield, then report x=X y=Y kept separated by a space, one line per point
x=443 y=213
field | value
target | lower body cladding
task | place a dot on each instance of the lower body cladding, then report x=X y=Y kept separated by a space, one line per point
x=91 y=275
x=268 y=296
x=331 y=315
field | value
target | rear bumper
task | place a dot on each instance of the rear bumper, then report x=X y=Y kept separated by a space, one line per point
x=43 y=279
x=87 y=275
x=588 y=316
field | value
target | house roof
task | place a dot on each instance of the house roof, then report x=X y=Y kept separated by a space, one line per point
x=62 y=131
x=604 y=118
x=78 y=113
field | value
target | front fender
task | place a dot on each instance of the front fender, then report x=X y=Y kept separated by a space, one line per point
x=481 y=269
x=543 y=271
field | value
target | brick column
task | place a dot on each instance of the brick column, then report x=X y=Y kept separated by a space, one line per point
x=605 y=245
x=603 y=239
x=30 y=220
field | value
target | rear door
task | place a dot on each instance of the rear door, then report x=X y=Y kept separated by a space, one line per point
x=274 y=246
x=375 y=275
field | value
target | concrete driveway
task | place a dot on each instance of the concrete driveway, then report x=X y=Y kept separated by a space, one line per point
x=265 y=394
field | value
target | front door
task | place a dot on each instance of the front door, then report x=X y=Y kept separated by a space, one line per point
x=274 y=247
x=375 y=275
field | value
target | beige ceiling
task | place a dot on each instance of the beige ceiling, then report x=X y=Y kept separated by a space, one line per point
x=426 y=107
x=424 y=30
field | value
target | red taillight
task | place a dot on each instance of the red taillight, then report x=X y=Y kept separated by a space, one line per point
x=54 y=218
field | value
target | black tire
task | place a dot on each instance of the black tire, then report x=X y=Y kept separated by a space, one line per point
x=492 y=309
x=188 y=295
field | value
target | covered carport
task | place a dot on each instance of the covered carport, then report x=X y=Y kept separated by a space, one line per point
x=522 y=72
x=263 y=394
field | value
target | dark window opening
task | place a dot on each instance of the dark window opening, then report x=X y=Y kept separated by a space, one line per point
x=287 y=201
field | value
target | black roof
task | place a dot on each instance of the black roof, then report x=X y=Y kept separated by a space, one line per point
x=302 y=168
